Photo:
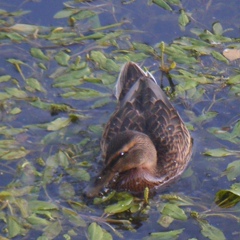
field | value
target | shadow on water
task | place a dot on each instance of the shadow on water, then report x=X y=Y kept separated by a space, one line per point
x=57 y=77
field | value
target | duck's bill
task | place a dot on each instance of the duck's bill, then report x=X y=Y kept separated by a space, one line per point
x=100 y=184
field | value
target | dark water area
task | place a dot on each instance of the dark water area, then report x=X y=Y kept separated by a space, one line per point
x=51 y=127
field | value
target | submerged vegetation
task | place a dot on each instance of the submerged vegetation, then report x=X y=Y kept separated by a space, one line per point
x=56 y=93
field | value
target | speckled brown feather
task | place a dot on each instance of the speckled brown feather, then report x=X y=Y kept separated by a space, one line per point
x=143 y=107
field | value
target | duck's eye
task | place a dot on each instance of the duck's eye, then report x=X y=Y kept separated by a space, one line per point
x=122 y=154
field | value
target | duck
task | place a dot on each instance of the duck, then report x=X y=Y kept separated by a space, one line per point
x=145 y=143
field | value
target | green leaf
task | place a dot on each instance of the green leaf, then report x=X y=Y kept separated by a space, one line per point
x=100 y=200
x=174 y=211
x=183 y=18
x=37 y=205
x=211 y=232
x=80 y=173
x=95 y=232
x=228 y=198
x=15 y=154
x=4 y=96
x=165 y=221
x=234 y=80
x=37 y=221
x=174 y=2
x=225 y=135
x=66 y=191
x=121 y=205
x=162 y=4
x=177 y=199
x=233 y=170
x=38 y=53
x=83 y=14
x=14 y=92
x=170 y=235
x=219 y=57
x=143 y=47
x=26 y=28
x=15 y=111
x=15 y=61
x=58 y=124
x=5 y=78
x=35 y=84
x=219 y=152
x=74 y=217
x=53 y=230
x=62 y=58
x=64 y=13
x=217 y=28
x=14 y=227
x=84 y=94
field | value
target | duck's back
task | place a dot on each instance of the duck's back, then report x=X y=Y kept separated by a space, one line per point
x=144 y=107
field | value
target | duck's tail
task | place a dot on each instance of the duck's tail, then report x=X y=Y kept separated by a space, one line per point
x=129 y=74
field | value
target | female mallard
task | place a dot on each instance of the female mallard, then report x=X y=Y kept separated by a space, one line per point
x=145 y=143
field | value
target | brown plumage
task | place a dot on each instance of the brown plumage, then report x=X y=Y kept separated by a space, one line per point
x=145 y=142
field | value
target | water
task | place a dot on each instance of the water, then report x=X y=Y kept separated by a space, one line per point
x=56 y=164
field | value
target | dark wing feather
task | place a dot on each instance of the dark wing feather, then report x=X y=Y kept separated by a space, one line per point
x=124 y=118
x=169 y=135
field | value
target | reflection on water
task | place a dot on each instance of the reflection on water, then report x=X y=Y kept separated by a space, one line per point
x=50 y=127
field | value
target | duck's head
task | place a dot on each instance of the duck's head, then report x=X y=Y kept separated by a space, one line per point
x=130 y=164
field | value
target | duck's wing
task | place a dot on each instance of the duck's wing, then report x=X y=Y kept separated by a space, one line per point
x=167 y=131
x=128 y=76
x=124 y=118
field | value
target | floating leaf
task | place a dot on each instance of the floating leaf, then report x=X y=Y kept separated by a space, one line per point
x=74 y=217
x=5 y=78
x=165 y=221
x=15 y=154
x=15 y=110
x=219 y=152
x=64 y=13
x=53 y=230
x=37 y=205
x=4 y=96
x=183 y=18
x=38 y=53
x=14 y=227
x=35 y=84
x=80 y=173
x=100 y=200
x=219 y=57
x=38 y=221
x=104 y=62
x=233 y=170
x=234 y=79
x=217 y=28
x=170 y=235
x=58 y=124
x=143 y=47
x=121 y=205
x=83 y=14
x=174 y=211
x=16 y=93
x=62 y=58
x=26 y=28
x=211 y=232
x=228 y=198
x=66 y=191
x=95 y=232
x=174 y=2
x=177 y=199
x=162 y=4
x=84 y=94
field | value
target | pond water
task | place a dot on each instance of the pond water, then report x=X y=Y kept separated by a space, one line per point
x=58 y=68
